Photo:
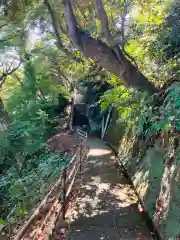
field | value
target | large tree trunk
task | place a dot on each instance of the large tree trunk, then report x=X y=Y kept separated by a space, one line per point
x=106 y=57
x=112 y=59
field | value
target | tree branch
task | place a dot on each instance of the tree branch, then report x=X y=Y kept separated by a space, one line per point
x=5 y=74
x=14 y=69
x=55 y=27
x=105 y=28
x=18 y=79
x=72 y=24
x=104 y=22
x=56 y=31
x=81 y=11
x=130 y=57
x=64 y=76
x=59 y=72
x=2 y=80
x=93 y=48
x=106 y=56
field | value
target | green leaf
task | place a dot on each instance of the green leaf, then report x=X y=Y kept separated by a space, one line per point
x=178 y=103
x=2 y=222
x=172 y=94
x=177 y=125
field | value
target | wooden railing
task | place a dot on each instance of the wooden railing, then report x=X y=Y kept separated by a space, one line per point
x=72 y=169
x=59 y=193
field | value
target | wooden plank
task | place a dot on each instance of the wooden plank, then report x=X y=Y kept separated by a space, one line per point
x=72 y=182
x=80 y=158
x=71 y=172
x=73 y=158
x=64 y=193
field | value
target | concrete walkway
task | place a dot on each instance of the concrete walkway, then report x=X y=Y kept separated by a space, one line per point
x=107 y=206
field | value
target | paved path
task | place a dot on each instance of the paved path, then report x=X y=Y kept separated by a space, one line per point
x=107 y=206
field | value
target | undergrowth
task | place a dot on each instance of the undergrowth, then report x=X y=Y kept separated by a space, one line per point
x=140 y=116
x=20 y=193
x=27 y=169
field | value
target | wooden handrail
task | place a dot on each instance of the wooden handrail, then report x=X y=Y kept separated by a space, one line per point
x=64 y=186
x=21 y=232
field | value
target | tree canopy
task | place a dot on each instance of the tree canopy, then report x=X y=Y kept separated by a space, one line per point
x=118 y=52
x=103 y=33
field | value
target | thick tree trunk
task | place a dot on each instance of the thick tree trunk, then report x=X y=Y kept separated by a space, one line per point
x=112 y=59
x=106 y=57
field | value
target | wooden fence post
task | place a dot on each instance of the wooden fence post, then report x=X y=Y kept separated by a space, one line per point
x=64 y=193
x=80 y=159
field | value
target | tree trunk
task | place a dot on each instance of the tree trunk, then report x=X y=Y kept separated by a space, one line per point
x=112 y=59
x=106 y=57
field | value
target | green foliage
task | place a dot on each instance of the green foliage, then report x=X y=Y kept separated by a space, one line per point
x=154 y=40
x=168 y=115
x=130 y=105
x=20 y=140
x=138 y=113
x=168 y=38
x=20 y=193
x=51 y=65
x=27 y=170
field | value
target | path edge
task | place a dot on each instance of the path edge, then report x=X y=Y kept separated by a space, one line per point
x=150 y=224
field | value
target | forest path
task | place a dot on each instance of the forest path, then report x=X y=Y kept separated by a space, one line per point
x=107 y=207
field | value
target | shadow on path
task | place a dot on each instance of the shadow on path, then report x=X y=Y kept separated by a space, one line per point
x=107 y=205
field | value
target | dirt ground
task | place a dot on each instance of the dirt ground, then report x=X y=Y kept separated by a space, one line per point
x=64 y=142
